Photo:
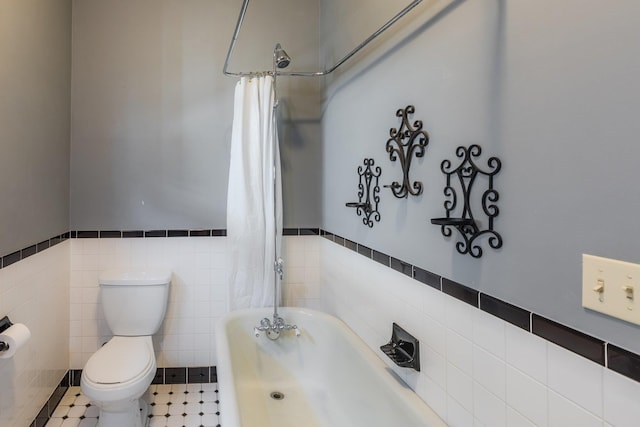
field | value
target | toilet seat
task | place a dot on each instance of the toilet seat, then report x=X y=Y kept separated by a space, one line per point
x=120 y=361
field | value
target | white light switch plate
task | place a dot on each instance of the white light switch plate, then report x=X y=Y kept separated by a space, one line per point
x=611 y=287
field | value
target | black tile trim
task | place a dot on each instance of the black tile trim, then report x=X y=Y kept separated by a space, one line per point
x=383 y=259
x=27 y=252
x=132 y=234
x=619 y=360
x=200 y=233
x=350 y=244
x=85 y=234
x=309 y=231
x=578 y=342
x=623 y=362
x=427 y=277
x=155 y=233
x=194 y=375
x=12 y=258
x=177 y=233
x=401 y=266
x=364 y=251
x=460 y=291
x=290 y=232
x=219 y=232
x=505 y=311
x=110 y=234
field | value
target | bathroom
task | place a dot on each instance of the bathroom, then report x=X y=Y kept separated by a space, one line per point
x=116 y=118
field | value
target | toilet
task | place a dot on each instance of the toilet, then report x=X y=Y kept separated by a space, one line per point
x=118 y=374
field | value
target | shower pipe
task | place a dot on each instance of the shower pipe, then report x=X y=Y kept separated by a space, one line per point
x=325 y=72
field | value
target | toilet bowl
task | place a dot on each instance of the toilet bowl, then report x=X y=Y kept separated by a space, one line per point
x=117 y=375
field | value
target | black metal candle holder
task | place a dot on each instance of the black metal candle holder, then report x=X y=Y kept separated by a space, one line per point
x=368 y=190
x=466 y=173
x=404 y=144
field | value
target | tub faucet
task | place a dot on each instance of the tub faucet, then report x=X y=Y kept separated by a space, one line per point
x=274 y=327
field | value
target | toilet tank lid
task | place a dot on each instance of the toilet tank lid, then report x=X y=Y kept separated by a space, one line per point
x=132 y=277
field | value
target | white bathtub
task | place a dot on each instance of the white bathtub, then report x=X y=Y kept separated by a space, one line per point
x=328 y=376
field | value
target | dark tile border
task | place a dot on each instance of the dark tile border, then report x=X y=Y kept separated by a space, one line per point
x=623 y=362
x=461 y=292
x=13 y=257
x=617 y=359
x=505 y=311
x=192 y=375
x=583 y=344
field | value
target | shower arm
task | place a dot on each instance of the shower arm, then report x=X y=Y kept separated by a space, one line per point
x=325 y=72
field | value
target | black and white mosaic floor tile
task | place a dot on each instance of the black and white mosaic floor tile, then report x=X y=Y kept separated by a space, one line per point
x=170 y=405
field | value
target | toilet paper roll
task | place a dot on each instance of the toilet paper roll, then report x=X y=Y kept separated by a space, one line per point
x=15 y=336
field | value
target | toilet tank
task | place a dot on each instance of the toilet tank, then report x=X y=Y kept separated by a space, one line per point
x=134 y=302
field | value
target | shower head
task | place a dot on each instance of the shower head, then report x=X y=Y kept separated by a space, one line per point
x=280 y=57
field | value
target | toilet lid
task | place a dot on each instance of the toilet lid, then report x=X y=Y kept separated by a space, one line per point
x=120 y=360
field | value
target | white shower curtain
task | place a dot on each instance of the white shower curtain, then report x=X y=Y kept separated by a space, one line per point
x=254 y=202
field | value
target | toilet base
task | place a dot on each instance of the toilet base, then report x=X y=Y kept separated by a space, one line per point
x=133 y=414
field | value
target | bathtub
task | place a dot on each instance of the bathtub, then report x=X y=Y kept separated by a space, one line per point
x=326 y=377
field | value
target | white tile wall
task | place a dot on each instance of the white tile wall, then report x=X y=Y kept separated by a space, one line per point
x=35 y=292
x=198 y=295
x=476 y=370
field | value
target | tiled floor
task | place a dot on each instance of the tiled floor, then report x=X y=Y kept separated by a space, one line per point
x=170 y=405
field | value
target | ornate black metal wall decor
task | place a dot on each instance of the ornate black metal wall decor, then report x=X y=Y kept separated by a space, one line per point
x=404 y=144
x=466 y=173
x=368 y=190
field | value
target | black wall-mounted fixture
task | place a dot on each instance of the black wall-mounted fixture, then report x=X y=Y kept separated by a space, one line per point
x=404 y=144
x=403 y=349
x=368 y=193
x=466 y=174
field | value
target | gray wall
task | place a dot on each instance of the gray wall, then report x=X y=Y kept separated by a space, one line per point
x=152 y=111
x=34 y=121
x=548 y=87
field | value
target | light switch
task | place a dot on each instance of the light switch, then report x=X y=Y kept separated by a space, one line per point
x=608 y=286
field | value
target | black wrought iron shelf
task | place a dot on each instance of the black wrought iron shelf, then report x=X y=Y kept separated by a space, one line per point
x=368 y=193
x=466 y=174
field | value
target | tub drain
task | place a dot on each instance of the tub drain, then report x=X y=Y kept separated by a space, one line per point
x=277 y=395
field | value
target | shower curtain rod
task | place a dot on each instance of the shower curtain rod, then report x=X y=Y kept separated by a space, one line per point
x=368 y=40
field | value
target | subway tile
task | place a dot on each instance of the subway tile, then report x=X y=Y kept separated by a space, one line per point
x=110 y=234
x=402 y=267
x=87 y=234
x=527 y=396
x=459 y=291
x=383 y=259
x=426 y=277
x=624 y=362
x=526 y=352
x=309 y=231
x=563 y=412
x=621 y=407
x=364 y=251
x=27 y=252
x=45 y=244
x=578 y=342
x=575 y=378
x=350 y=245
x=505 y=311
x=12 y=258
x=327 y=235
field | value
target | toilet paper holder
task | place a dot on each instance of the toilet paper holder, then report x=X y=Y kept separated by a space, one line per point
x=5 y=324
